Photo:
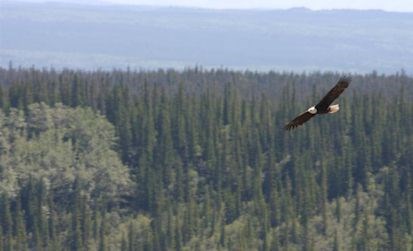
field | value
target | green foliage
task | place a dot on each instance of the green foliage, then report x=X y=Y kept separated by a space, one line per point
x=59 y=145
x=198 y=160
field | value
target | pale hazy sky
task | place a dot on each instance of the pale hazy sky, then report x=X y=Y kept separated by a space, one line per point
x=389 y=5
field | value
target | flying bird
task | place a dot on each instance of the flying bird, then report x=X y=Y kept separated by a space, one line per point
x=324 y=106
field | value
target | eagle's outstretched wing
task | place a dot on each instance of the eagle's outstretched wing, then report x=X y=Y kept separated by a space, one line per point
x=299 y=120
x=341 y=85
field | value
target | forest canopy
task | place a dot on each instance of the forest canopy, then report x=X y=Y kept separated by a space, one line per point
x=199 y=160
x=58 y=146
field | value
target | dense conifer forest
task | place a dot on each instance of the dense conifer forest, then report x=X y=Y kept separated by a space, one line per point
x=199 y=160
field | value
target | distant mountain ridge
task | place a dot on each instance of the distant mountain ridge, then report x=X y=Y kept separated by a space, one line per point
x=298 y=39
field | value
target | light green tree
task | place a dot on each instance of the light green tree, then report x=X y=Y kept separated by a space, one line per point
x=60 y=144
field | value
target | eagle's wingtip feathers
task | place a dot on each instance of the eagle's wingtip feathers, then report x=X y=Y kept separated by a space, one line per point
x=346 y=79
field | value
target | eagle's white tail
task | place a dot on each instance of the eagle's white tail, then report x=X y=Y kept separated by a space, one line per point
x=333 y=108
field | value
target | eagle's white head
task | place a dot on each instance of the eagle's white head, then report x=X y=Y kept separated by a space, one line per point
x=333 y=108
x=312 y=110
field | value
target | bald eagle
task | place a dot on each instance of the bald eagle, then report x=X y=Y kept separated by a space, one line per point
x=324 y=106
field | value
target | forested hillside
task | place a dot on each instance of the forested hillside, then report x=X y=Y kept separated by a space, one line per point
x=87 y=36
x=199 y=160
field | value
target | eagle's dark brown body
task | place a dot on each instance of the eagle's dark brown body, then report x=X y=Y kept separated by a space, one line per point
x=324 y=106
